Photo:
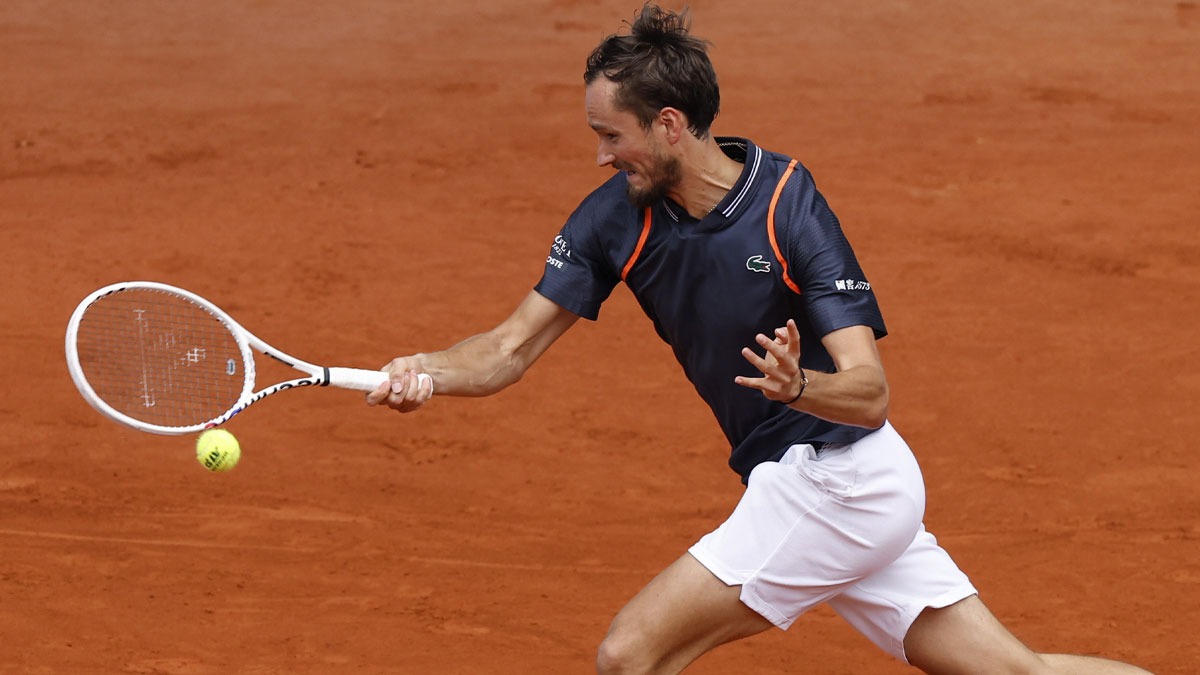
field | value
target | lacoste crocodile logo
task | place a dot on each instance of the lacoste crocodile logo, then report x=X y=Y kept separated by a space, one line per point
x=755 y=263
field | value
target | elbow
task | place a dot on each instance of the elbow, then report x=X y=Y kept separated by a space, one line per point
x=876 y=412
x=876 y=416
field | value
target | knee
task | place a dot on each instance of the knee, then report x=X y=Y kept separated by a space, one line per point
x=619 y=655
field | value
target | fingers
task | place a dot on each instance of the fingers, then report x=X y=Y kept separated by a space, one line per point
x=788 y=335
x=779 y=362
x=778 y=351
x=380 y=394
x=405 y=390
x=409 y=390
x=765 y=362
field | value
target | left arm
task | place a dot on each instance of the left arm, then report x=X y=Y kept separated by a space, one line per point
x=856 y=394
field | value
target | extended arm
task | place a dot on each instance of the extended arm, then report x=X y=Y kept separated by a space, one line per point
x=857 y=394
x=480 y=365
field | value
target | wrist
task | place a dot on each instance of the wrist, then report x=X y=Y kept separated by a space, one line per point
x=803 y=386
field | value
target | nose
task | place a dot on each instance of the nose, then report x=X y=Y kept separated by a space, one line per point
x=604 y=156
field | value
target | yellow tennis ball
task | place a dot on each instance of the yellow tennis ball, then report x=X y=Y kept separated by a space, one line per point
x=218 y=450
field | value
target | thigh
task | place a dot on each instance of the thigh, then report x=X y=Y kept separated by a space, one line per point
x=682 y=613
x=885 y=604
x=815 y=524
x=965 y=638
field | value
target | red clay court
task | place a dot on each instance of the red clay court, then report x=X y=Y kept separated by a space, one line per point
x=363 y=179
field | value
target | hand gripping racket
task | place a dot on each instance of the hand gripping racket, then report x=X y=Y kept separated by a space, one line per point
x=167 y=361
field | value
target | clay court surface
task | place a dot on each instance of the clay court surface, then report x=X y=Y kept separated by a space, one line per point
x=358 y=180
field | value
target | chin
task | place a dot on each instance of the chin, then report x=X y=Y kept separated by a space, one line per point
x=644 y=198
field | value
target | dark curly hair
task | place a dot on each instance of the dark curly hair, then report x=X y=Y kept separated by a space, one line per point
x=659 y=65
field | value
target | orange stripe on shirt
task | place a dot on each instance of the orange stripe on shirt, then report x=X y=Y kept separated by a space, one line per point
x=787 y=279
x=637 y=251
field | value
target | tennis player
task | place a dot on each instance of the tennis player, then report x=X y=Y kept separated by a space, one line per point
x=744 y=270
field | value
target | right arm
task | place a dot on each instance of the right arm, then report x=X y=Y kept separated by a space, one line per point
x=480 y=365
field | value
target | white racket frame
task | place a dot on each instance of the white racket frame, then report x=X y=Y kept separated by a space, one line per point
x=248 y=343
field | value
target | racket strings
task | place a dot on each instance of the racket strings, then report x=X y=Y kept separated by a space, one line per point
x=160 y=358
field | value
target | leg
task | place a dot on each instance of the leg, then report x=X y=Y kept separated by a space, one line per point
x=1071 y=664
x=807 y=528
x=683 y=613
x=965 y=638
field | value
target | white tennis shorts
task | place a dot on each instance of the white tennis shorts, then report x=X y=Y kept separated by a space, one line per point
x=842 y=526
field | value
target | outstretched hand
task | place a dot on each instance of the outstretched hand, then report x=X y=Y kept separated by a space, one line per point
x=779 y=364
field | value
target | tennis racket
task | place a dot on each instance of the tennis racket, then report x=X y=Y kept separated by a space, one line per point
x=164 y=360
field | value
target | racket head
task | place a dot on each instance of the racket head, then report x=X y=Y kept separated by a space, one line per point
x=158 y=358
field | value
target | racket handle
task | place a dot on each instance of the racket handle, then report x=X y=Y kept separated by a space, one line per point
x=366 y=380
x=356 y=378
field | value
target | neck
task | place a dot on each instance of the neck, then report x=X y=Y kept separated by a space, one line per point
x=708 y=175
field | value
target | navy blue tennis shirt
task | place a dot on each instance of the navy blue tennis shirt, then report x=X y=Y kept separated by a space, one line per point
x=770 y=251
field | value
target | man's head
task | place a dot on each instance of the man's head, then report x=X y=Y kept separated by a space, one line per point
x=643 y=91
x=659 y=65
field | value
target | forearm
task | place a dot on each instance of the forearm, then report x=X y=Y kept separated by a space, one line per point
x=856 y=396
x=478 y=366
x=488 y=362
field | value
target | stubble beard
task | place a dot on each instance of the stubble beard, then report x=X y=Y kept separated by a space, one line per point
x=662 y=178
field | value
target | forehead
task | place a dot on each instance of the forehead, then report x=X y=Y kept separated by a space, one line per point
x=602 y=112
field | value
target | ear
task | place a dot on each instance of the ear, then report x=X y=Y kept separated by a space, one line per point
x=674 y=124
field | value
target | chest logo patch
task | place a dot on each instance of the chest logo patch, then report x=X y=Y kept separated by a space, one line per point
x=755 y=263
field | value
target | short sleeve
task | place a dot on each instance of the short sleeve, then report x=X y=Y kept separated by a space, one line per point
x=835 y=290
x=581 y=271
